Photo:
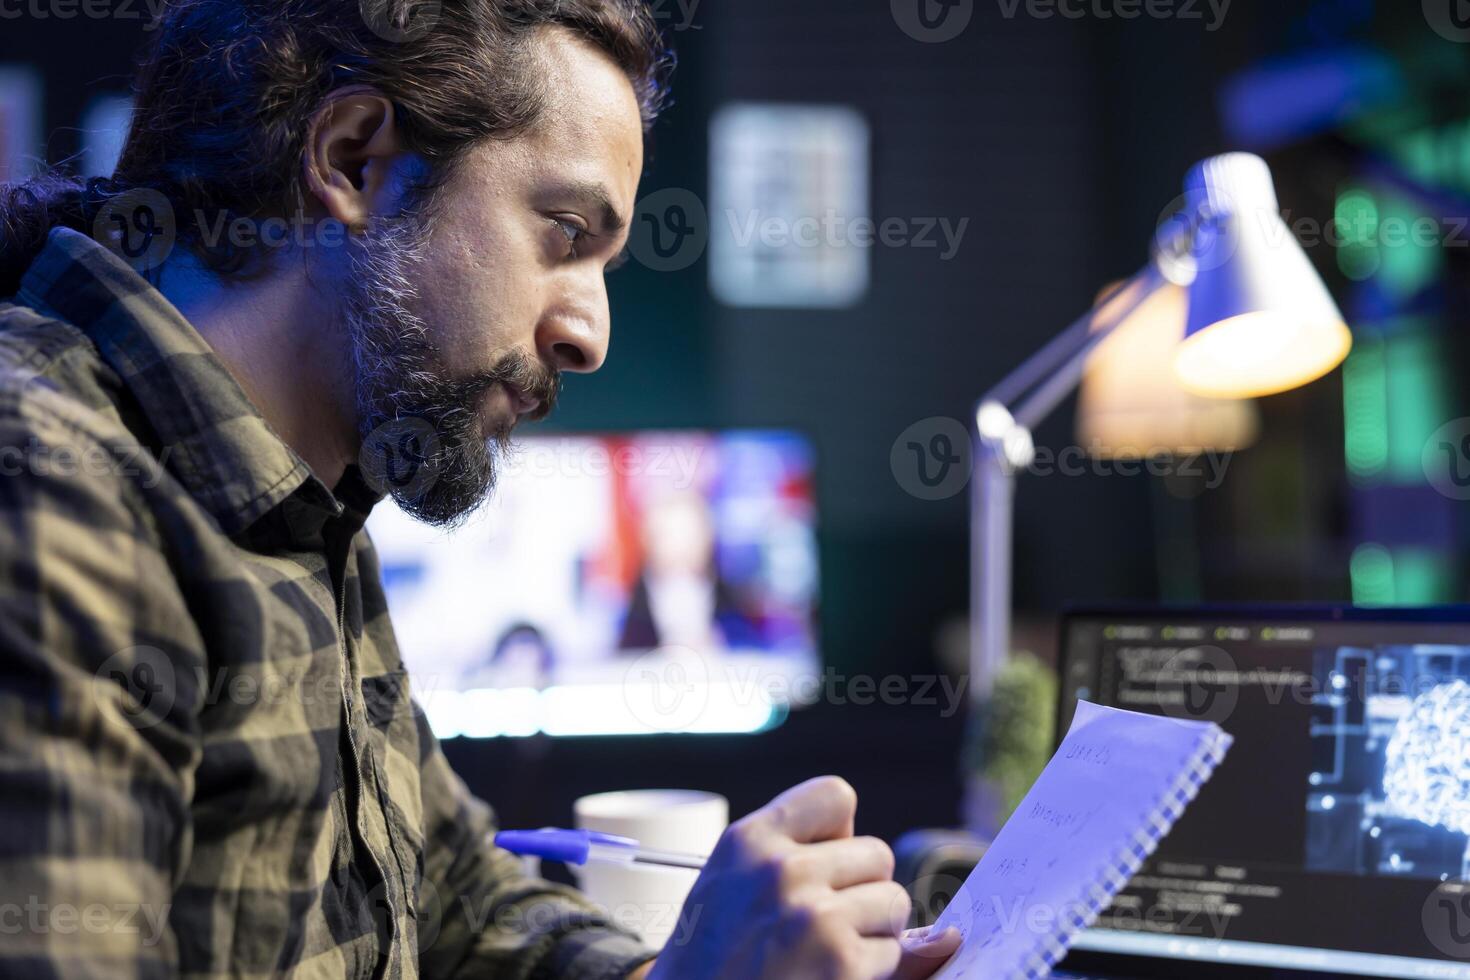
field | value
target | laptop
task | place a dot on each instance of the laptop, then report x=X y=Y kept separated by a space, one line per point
x=1335 y=839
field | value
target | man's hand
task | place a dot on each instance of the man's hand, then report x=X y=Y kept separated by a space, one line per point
x=790 y=892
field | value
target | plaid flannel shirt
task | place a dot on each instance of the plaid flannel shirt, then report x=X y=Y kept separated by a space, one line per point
x=210 y=763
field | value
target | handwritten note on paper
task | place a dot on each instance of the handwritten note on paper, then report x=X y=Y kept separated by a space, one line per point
x=1112 y=789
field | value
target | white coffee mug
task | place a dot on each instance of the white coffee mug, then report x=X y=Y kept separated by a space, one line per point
x=645 y=899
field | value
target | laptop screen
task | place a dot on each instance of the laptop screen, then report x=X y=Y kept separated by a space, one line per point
x=1335 y=838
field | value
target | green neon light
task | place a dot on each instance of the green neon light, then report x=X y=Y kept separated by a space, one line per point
x=1356 y=222
x=1371 y=570
x=1421 y=577
x=1365 y=409
x=1416 y=395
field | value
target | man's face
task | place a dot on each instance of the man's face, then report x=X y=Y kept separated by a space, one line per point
x=461 y=329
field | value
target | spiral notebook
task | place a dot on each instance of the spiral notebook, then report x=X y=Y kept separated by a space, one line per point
x=1111 y=792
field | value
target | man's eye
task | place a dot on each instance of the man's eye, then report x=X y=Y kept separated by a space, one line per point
x=574 y=234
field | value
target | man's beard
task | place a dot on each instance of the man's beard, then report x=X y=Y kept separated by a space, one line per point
x=422 y=437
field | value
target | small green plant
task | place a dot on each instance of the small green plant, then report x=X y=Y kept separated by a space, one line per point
x=1016 y=730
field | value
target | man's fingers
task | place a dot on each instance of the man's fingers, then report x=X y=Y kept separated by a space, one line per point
x=849 y=861
x=874 y=908
x=817 y=810
x=925 y=951
x=880 y=958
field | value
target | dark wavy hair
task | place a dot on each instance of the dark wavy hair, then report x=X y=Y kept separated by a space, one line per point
x=225 y=89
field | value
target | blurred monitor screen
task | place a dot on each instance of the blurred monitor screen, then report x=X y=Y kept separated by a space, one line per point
x=644 y=583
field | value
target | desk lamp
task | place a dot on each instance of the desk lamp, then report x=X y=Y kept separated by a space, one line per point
x=1257 y=320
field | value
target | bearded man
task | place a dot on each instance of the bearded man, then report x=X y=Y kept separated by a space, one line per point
x=346 y=248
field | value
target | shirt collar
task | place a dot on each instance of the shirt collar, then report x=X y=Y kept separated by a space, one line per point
x=219 y=446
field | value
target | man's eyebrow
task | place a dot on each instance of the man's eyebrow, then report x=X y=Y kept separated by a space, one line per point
x=595 y=198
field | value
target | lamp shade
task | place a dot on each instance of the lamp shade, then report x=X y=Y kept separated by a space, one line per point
x=1131 y=403
x=1260 y=318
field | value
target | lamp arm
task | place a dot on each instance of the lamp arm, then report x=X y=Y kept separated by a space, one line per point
x=1061 y=382
x=1034 y=390
x=1003 y=423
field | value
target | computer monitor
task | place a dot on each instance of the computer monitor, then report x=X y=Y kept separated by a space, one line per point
x=634 y=583
x=1333 y=840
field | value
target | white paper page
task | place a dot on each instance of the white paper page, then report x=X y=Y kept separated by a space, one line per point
x=1091 y=804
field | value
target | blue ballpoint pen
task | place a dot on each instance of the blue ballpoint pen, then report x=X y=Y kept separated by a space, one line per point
x=581 y=846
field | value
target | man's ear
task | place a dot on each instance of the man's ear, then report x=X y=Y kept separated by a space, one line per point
x=352 y=148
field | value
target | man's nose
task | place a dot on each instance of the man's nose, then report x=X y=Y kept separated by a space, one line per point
x=574 y=344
